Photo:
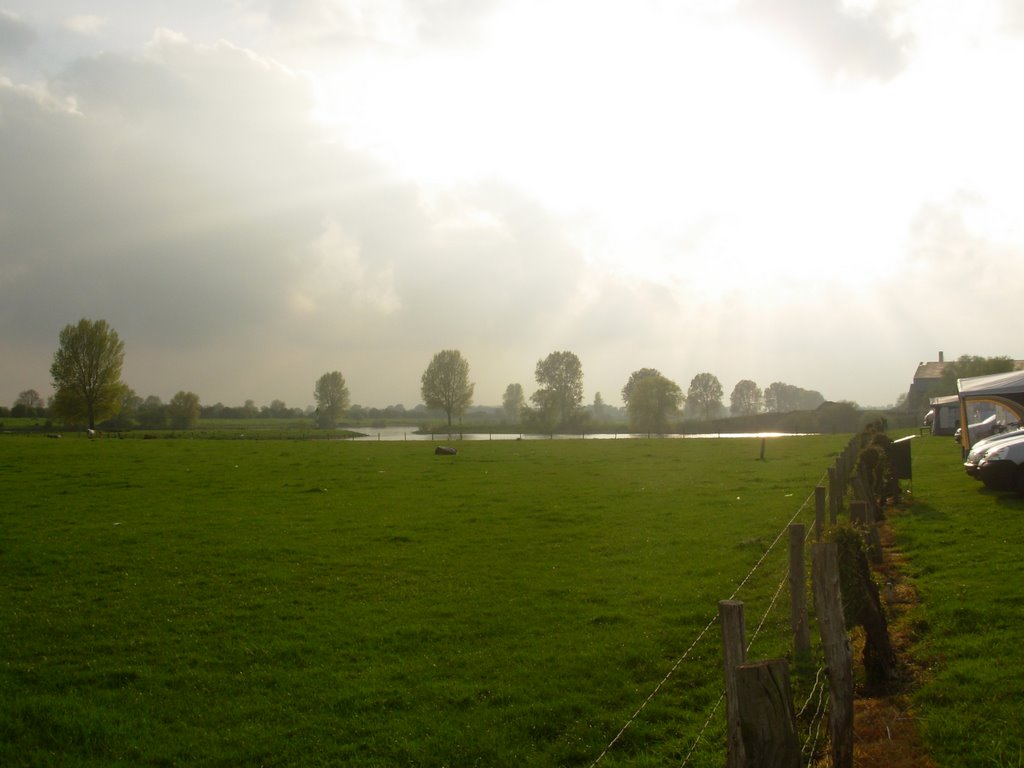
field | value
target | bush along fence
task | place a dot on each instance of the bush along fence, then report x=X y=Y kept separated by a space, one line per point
x=763 y=728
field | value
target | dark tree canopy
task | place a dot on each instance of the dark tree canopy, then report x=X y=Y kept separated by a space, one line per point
x=183 y=410
x=445 y=384
x=513 y=402
x=783 y=398
x=560 y=378
x=634 y=378
x=331 y=396
x=652 y=400
x=86 y=373
x=705 y=395
x=746 y=398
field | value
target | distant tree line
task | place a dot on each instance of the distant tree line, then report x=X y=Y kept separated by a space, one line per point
x=86 y=376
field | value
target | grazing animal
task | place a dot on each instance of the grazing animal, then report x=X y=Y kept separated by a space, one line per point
x=445 y=450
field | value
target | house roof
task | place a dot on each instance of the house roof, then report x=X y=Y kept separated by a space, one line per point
x=929 y=371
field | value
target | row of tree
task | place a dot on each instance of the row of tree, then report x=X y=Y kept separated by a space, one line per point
x=86 y=373
x=651 y=399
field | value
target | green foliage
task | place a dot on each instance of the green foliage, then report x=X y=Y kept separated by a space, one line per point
x=651 y=399
x=445 y=384
x=183 y=410
x=704 y=397
x=86 y=373
x=245 y=602
x=968 y=366
x=746 y=398
x=332 y=399
x=780 y=397
x=560 y=380
x=513 y=402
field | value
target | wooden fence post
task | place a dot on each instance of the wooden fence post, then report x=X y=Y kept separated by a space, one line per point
x=819 y=512
x=833 y=496
x=797 y=591
x=828 y=602
x=734 y=653
x=768 y=722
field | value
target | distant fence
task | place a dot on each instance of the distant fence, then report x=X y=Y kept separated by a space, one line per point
x=763 y=727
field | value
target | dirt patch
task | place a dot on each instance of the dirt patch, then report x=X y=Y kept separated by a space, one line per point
x=886 y=733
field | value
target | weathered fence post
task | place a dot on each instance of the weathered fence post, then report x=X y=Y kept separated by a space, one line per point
x=834 y=504
x=734 y=653
x=797 y=591
x=768 y=723
x=819 y=512
x=828 y=602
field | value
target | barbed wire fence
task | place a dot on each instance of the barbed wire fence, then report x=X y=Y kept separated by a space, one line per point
x=813 y=729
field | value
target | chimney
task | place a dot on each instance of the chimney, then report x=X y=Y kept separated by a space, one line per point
x=941 y=358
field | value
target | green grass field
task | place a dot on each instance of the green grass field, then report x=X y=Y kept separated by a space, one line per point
x=283 y=602
x=213 y=602
x=965 y=547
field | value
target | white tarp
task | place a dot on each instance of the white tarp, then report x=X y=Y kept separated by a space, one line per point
x=1005 y=389
x=1011 y=383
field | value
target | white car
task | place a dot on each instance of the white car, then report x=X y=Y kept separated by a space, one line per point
x=980 y=448
x=1002 y=466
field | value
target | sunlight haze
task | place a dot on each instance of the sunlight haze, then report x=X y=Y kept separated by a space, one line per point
x=253 y=193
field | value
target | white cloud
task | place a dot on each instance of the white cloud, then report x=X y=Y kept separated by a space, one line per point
x=85 y=24
x=643 y=184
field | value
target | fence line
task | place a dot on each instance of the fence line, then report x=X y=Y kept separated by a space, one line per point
x=700 y=734
x=700 y=636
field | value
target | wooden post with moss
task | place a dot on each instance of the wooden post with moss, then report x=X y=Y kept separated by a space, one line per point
x=798 y=591
x=820 y=495
x=734 y=653
x=834 y=504
x=767 y=719
x=828 y=602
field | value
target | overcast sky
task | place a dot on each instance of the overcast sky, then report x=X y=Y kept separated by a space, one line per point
x=255 y=192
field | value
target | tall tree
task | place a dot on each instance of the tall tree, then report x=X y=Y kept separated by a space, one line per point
x=780 y=397
x=445 y=384
x=560 y=377
x=634 y=378
x=653 y=399
x=746 y=398
x=967 y=366
x=331 y=397
x=183 y=410
x=29 y=403
x=86 y=373
x=705 y=395
x=513 y=402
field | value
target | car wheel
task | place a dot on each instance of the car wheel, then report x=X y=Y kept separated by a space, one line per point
x=1020 y=480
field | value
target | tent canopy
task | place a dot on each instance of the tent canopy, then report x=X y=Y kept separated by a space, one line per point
x=1006 y=384
x=1006 y=389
